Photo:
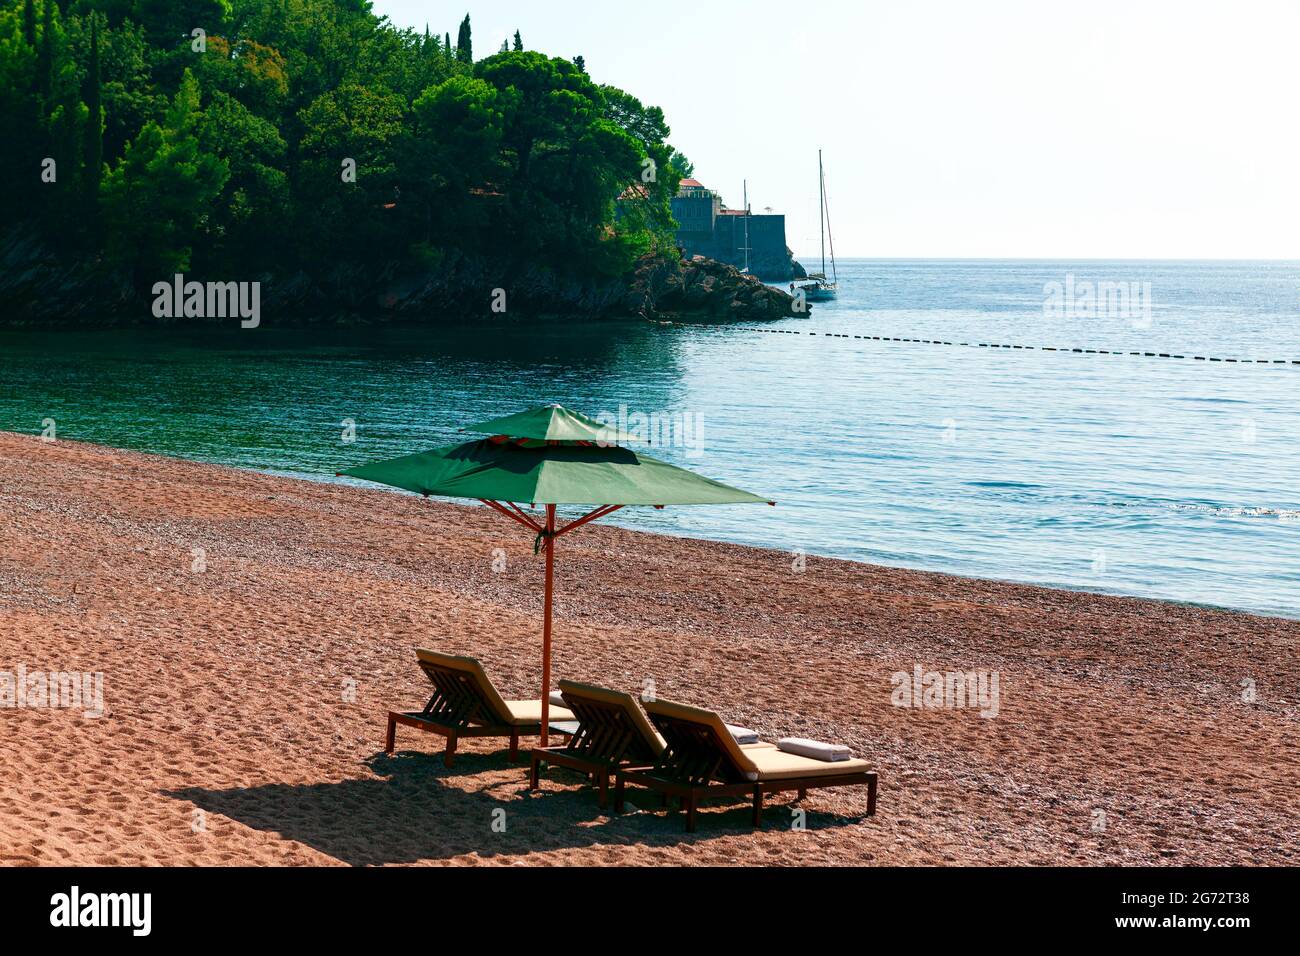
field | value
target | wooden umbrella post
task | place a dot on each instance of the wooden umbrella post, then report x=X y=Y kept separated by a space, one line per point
x=548 y=532
x=546 y=626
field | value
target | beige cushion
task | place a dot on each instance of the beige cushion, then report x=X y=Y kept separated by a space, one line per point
x=739 y=756
x=757 y=761
x=776 y=764
x=530 y=712
x=467 y=665
x=616 y=698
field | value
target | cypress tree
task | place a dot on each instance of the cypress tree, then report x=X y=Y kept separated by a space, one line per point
x=95 y=119
x=45 y=58
x=580 y=63
x=446 y=45
x=519 y=42
x=29 y=23
x=465 y=42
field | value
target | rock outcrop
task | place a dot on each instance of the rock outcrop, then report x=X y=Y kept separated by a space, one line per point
x=703 y=289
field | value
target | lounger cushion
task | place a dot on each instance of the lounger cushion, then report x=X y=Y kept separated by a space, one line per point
x=778 y=765
x=739 y=756
x=617 y=698
x=501 y=713
x=744 y=736
x=530 y=712
x=815 y=749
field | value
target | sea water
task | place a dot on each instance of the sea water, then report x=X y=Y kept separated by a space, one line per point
x=1157 y=477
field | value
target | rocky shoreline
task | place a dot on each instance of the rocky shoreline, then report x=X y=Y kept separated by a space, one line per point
x=41 y=289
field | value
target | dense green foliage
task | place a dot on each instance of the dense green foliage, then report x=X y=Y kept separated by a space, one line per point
x=231 y=152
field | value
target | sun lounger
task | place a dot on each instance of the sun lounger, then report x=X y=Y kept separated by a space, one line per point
x=612 y=733
x=466 y=704
x=701 y=759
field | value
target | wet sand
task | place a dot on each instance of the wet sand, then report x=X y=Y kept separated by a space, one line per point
x=245 y=695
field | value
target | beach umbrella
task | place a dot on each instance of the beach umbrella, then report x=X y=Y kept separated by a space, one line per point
x=548 y=458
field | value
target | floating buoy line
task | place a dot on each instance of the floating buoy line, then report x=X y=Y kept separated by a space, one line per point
x=984 y=345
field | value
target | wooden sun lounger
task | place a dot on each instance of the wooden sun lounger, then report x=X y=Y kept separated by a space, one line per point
x=466 y=704
x=702 y=760
x=612 y=734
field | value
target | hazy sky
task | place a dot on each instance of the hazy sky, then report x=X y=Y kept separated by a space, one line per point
x=995 y=129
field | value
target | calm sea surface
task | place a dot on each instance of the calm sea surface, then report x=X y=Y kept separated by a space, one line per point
x=1143 y=476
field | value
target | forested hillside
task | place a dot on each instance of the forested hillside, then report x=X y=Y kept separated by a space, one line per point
x=310 y=145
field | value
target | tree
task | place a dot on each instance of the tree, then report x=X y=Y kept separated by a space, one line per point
x=465 y=42
x=450 y=159
x=155 y=198
x=519 y=42
x=45 y=59
x=564 y=165
x=94 y=136
x=581 y=63
x=169 y=22
x=29 y=23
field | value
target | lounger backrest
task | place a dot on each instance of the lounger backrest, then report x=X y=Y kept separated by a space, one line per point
x=699 y=738
x=611 y=725
x=464 y=687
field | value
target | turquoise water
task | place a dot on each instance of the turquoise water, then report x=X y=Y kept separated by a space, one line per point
x=1152 y=477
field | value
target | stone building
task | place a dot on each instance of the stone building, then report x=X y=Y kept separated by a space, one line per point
x=706 y=227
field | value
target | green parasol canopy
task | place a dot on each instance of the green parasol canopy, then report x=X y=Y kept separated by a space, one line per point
x=555 y=423
x=544 y=474
x=550 y=456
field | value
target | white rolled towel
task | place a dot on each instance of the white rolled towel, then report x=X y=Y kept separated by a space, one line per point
x=557 y=699
x=743 y=736
x=829 y=753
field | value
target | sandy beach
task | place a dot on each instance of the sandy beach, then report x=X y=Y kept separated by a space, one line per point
x=253 y=631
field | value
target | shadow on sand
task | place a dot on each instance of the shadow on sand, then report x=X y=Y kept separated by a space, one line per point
x=416 y=810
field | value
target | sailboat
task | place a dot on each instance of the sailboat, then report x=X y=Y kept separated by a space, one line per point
x=817 y=287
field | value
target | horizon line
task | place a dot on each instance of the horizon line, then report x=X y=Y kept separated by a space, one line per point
x=842 y=258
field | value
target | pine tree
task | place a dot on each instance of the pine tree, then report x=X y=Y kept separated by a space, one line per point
x=519 y=42
x=465 y=42
x=95 y=119
x=29 y=23
x=45 y=58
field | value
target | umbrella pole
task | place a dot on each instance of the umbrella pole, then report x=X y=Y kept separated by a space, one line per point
x=546 y=625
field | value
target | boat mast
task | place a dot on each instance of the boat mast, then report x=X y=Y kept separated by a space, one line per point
x=835 y=271
x=821 y=216
x=747 y=227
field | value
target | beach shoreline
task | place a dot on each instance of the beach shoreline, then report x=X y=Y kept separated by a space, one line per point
x=251 y=631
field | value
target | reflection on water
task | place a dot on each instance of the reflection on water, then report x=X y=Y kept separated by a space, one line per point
x=1148 y=477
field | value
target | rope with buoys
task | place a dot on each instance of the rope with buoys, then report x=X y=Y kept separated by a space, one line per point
x=985 y=345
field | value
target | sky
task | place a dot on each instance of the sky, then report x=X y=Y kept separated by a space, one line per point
x=999 y=129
